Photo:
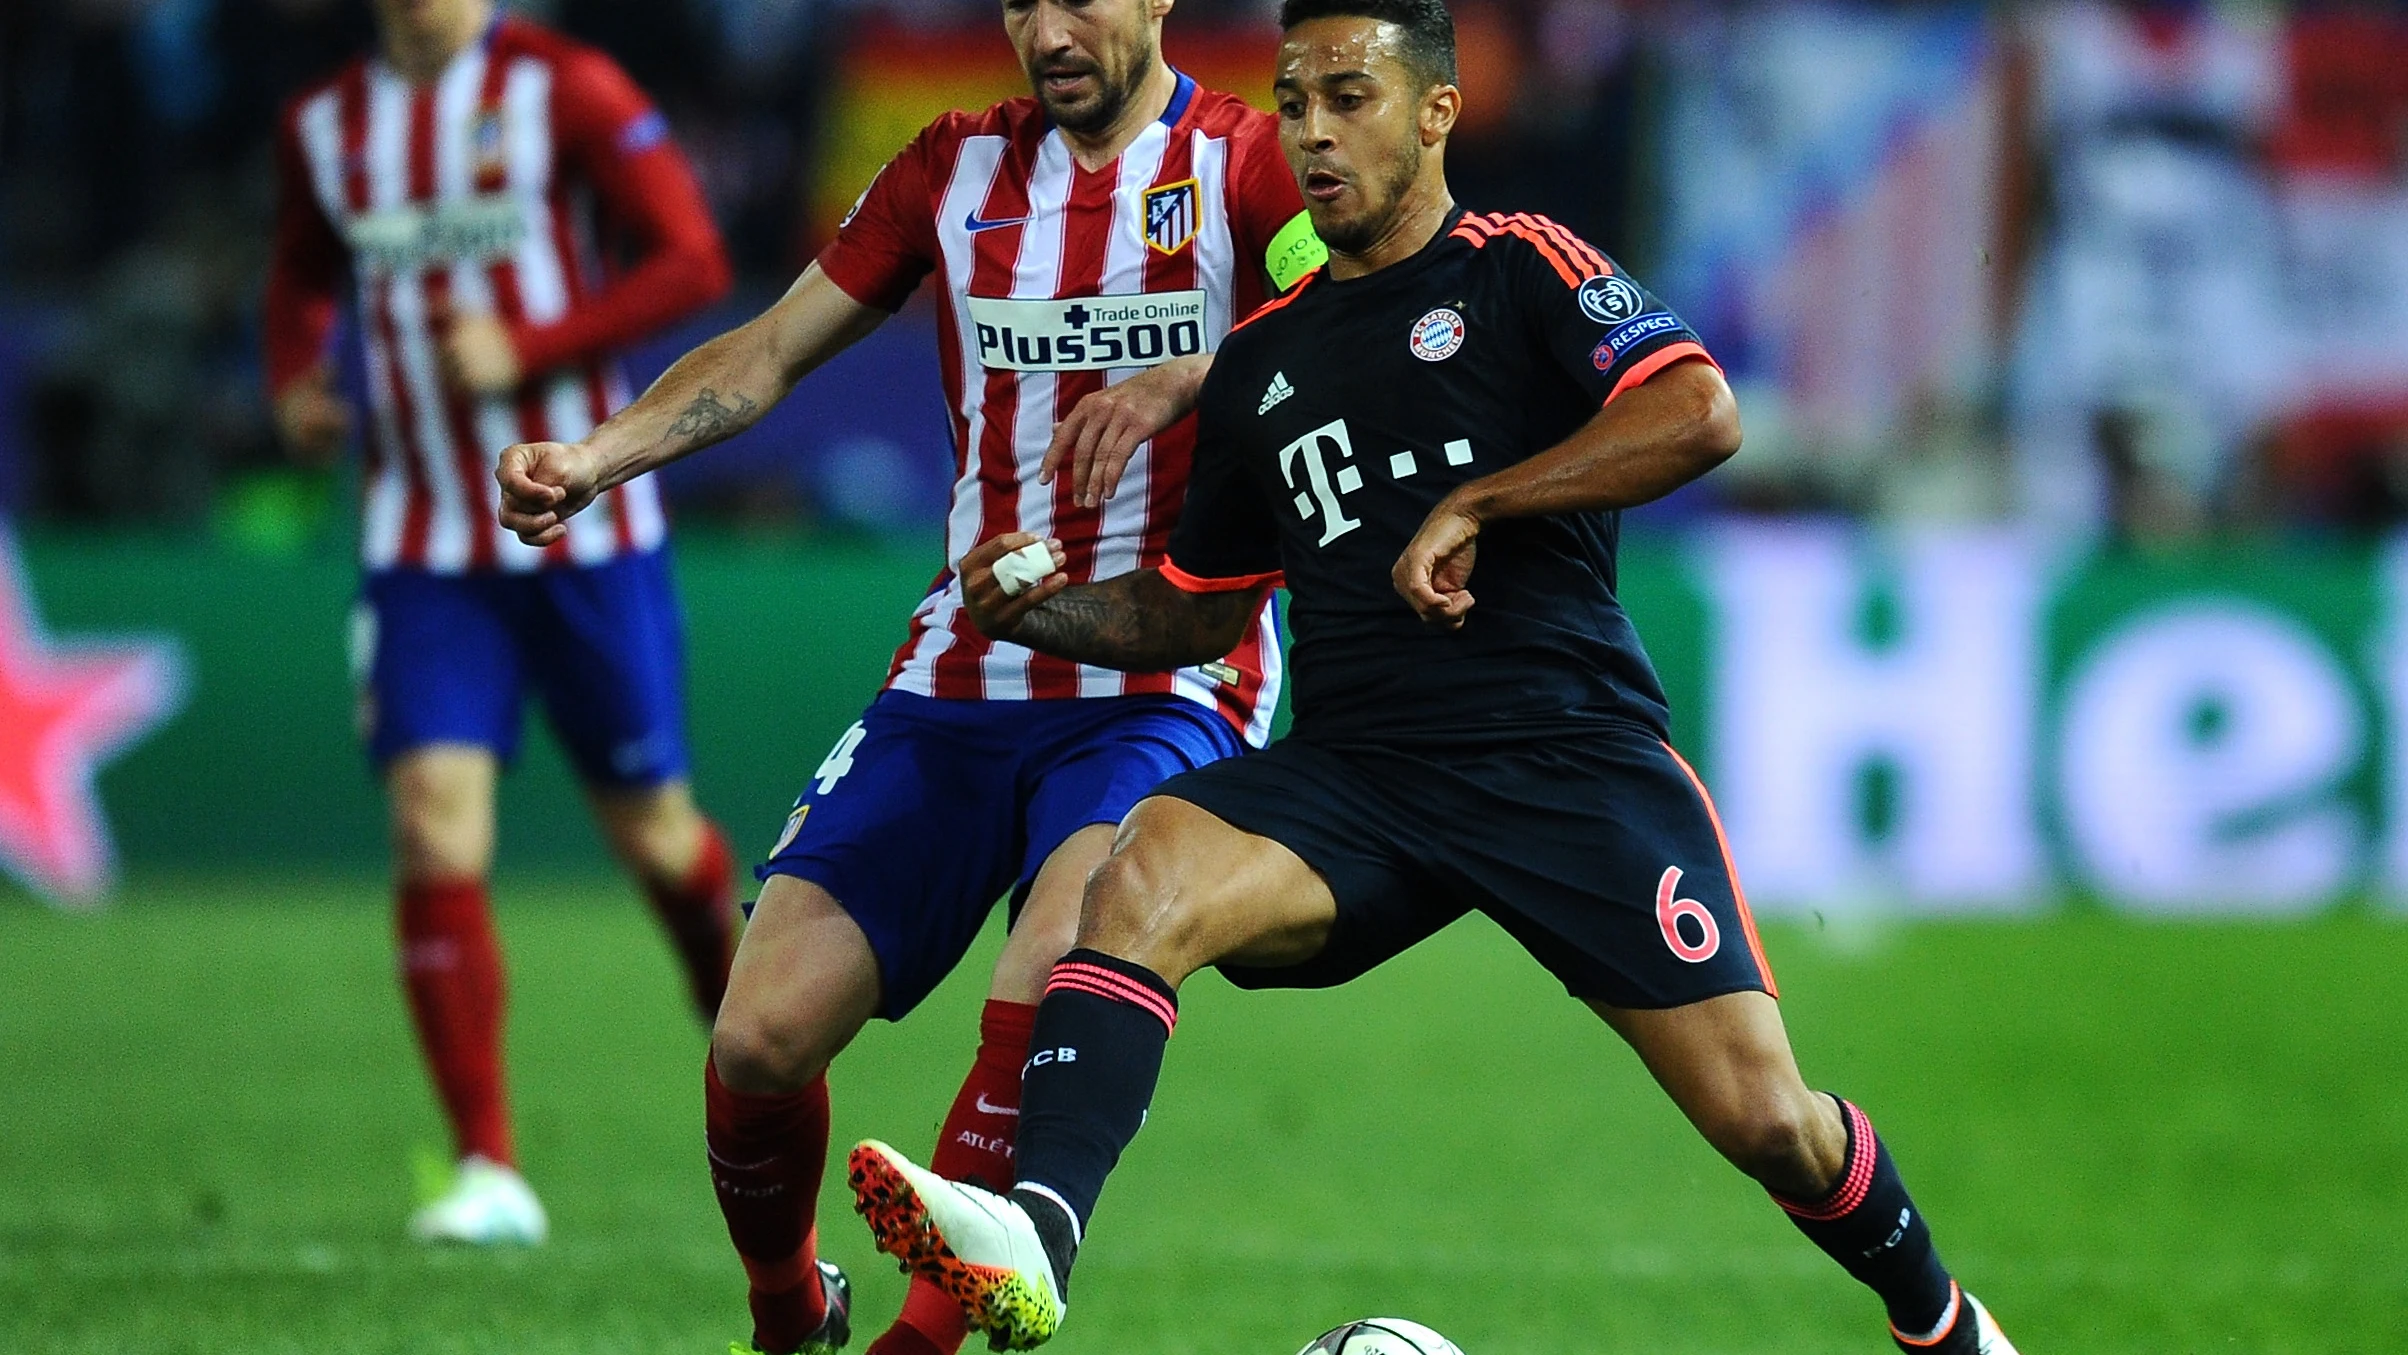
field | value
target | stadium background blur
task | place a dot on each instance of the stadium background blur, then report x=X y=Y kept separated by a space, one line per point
x=2058 y=592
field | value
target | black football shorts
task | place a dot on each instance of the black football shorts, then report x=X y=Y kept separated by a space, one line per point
x=1600 y=853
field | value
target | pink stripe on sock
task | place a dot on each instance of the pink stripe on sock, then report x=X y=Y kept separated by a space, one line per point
x=1121 y=988
x=1075 y=984
x=1096 y=981
x=1136 y=992
x=1855 y=1183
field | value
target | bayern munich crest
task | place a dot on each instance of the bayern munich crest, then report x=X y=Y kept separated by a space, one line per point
x=1170 y=216
x=1438 y=335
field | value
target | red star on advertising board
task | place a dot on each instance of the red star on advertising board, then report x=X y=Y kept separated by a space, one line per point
x=64 y=710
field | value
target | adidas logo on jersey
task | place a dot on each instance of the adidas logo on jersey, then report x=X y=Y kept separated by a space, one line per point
x=1277 y=395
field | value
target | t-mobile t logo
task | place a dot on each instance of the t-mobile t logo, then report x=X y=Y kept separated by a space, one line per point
x=1319 y=494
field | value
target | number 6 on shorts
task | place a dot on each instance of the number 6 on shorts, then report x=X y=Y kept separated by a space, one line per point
x=1671 y=910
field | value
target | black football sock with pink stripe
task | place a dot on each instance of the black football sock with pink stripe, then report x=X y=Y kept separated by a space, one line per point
x=1871 y=1227
x=1094 y=1058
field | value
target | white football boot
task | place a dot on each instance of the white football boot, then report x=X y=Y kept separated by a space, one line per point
x=977 y=1246
x=1987 y=1338
x=486 y=1205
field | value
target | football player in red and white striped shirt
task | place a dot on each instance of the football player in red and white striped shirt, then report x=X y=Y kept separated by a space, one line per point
x=478 y=183
x=1092 y=245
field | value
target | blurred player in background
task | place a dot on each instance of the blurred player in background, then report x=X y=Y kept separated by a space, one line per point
x=476 y=178
x=1094 y=244
x=1459 y=402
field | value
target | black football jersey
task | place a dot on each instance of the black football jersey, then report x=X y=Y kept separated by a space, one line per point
x=1339 y=416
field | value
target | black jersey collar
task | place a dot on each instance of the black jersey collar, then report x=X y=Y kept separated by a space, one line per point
x=1407 y=267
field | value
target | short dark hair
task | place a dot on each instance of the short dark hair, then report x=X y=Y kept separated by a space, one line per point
x=1429 y=30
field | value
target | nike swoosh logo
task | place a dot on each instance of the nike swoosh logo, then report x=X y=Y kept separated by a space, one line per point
x=978 y=227
x=984 y=1108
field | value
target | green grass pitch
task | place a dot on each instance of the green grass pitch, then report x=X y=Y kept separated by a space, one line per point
x=2130 y=1137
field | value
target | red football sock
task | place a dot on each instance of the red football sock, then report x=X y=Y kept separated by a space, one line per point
x=767 y=1154
x=974 y=1145
x=451 y=971
x=699 y=913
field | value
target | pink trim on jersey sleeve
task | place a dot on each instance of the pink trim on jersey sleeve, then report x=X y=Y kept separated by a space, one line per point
x=1188 y=583
x=1647 y=367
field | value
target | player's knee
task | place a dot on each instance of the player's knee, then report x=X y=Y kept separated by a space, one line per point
x=432 y=844
x=442 y=816
x=1781 y=1142
x=758 y=1054
x=1130 y=909
x=655 y=833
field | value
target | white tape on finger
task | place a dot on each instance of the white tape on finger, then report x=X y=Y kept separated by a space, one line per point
x=1024 y=569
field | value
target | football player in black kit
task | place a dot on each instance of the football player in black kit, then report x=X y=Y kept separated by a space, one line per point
x=1430 y=442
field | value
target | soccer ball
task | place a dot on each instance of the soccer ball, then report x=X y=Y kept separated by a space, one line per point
x=1381 y=1336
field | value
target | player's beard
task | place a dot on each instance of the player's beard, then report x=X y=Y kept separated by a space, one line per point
x=1112 y=96
x=1364 y=233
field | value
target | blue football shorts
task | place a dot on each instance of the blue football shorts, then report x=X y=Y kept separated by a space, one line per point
x=927 y=812
x=452 y=659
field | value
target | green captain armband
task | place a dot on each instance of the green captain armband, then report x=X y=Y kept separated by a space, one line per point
x=1294 y=252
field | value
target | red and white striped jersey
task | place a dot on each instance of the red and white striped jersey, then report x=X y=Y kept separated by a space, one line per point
x=508 y=186
x=1058 y=281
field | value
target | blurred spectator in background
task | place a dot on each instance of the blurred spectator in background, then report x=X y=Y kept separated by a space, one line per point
x=1828 y=201
x=132 y=171
x=2339 y=153
x=2150 y=346
x=2137 y=266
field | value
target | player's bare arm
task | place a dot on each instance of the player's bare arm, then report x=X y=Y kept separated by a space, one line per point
x=1668 y=431
x=1137 y=622
x=1095 y=444
x=713 y=393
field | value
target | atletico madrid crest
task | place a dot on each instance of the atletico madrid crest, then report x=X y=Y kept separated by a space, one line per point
x=1170 y=216
x=488 y=137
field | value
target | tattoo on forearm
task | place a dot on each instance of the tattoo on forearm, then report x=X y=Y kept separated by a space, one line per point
x=710 y=418
x=1137 y=624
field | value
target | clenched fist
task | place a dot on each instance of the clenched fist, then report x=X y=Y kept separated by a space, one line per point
x=544 y=484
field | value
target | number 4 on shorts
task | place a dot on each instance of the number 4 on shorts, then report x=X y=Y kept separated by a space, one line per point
x=840 y=759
